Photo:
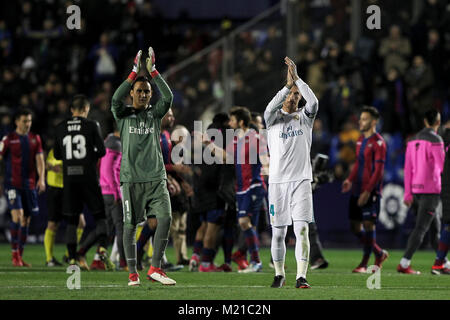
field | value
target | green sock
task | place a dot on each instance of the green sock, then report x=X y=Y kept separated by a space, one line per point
x=161 y=240
x=129 y=246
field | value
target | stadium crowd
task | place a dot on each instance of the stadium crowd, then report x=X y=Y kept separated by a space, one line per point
x=401 y=69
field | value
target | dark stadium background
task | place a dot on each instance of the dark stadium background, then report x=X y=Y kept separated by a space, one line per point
x=216 y=54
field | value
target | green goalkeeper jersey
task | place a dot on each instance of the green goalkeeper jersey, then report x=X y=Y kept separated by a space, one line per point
x=142 y=159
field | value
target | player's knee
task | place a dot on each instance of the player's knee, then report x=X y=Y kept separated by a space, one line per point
x=81 y=222
x=278 y=234
x=52 y=225
x=164 y=222
x=245 y=223
x=129 y=228
x=369 y=226
x=152 y=223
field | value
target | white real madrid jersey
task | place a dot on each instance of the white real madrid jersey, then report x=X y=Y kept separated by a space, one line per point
x=289 y=137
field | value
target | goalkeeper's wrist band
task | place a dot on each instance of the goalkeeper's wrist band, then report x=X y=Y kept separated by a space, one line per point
x=154 y=73
x=132 y=76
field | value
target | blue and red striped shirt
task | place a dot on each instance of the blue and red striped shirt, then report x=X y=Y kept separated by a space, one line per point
x=166 y=149
x=367 y=173
x=19 y=154
x=247 y=162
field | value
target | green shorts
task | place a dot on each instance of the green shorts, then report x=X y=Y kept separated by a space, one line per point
x=144 y=199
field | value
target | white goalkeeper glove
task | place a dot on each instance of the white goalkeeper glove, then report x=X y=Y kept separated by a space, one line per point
x=136 y=66
x=151 y=68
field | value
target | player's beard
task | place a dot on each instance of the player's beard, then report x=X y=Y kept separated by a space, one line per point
x=364 y=129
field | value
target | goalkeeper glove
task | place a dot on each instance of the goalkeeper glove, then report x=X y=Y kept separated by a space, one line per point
x=151 y=68
x=136 y=66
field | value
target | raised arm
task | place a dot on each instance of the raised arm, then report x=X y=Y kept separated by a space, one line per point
x=118 y=107
x=274 y=105
x=165 y=102
x=312 y=104
x=270 y=114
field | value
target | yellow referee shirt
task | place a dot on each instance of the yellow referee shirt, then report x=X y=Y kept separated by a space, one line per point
x=54 y=179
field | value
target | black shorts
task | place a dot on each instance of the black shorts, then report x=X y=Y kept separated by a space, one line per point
x=369 y=212
x=78 y=194
x=55 y=204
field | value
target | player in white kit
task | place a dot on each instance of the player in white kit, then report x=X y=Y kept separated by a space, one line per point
x=289 y=131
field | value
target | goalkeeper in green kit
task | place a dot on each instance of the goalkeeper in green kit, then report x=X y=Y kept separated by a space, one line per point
x=142 y=173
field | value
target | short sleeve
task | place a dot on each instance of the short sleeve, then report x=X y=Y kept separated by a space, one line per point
x=4 y=145
x=39 y=144
x=380 y=151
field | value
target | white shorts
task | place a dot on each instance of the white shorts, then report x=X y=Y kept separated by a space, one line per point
x=290 y=201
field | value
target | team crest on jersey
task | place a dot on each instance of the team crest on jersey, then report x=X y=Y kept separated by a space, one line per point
x=296 y=117
x=379 y=142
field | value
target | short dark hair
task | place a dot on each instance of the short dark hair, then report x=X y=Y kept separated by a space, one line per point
x=79 y=101
x=431 y=116
x=241 y=113
x=140 y=79
x=255 y=114
x=22 y=112
x=372 y=111
x=220 y=118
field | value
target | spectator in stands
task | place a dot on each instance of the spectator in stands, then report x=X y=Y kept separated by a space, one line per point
x=320 y=139
x=395 y=50
x=104 y=55
x=419 y=79
x=435 y=56
x=396 y=113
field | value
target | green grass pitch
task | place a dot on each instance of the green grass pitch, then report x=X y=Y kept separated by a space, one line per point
x=334 y=283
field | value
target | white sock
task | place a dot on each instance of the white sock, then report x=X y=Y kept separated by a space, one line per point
x=301 y=229
x=405 y=263
x=279 y=268
x=114 y=251
x=447 y=264
x=278 y=249
x=97 y=257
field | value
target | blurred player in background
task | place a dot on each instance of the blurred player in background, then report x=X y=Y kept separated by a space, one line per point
x=55 y=209
x=250 y=187
x=365 y=181
x=110 y=184
x=424 y=161
x=79 y=145
x=142 y=174
x=320 y=176
x=441 y=264
x=290 y=175
x=21 y=151
x=210 y=200
x=179 y=201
